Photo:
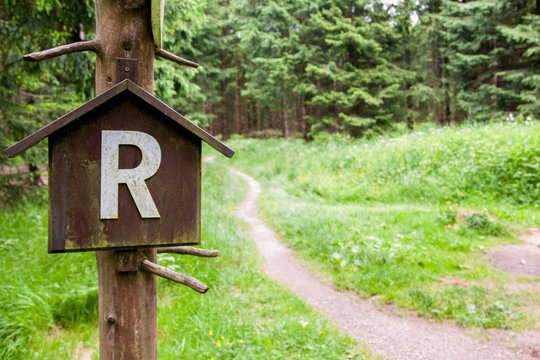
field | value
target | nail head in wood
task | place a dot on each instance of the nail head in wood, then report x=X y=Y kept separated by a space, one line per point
x=127 y=261
x=127 y=69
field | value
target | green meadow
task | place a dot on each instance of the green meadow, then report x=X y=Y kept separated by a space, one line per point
x=400 y=217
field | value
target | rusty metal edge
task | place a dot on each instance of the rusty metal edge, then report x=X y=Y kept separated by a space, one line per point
x=179 y=119
x=106 y=96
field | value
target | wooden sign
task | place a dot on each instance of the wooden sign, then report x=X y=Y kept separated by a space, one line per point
x=124 y=171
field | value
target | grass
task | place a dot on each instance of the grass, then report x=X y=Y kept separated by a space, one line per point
x=48 y=303
x=394 y=217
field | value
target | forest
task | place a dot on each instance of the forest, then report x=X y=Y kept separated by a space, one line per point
x=397 y=146
x=293 y=67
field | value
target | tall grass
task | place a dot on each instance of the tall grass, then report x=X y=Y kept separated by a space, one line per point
x=496 y=162
x=38 y=290
x=48 y=303
x=394 y=217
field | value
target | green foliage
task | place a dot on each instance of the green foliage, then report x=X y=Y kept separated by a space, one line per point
x=499 y=161
x=487 y=61
x=79 y=306
x=480 y=222
x=526 y=36
x=174 y=84
x=292 y=66
x=357 y=89
x=33 y=95
x=448 y=214
x=38 y=288
x=49 y=302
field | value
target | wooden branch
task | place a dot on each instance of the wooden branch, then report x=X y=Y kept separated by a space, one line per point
x=188 y=250
x=174 y=58
x=91 y=45
x=174 y=276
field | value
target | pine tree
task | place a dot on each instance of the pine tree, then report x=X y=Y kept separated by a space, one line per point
x=34 y=94
x=480 y=61
x=525 y=78
x=357 y=91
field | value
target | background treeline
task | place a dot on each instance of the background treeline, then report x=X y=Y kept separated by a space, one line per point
x=298 y=66
x=287 y=67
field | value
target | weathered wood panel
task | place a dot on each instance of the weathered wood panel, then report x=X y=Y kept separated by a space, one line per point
x=75 y=172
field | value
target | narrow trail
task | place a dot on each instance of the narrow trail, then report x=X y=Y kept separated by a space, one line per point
x=387 y=335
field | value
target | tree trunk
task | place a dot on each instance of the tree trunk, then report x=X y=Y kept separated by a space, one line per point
x=259 y=117
x=237 y=119
x=306 y=110
x=436 y=63
x=285 y=125
x=124 y=31
x=303 y=124
x=127 y=301
x=245 y=127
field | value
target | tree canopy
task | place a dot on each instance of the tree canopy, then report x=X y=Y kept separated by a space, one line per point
x=283 y=67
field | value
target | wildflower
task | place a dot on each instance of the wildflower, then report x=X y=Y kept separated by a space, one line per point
x=210 y=333
x=218 y=344
x=241 y=341
x=228 y=343
x=223 y=338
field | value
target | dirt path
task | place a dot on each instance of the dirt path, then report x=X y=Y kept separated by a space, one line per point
x=520 y=259
x=387 y=335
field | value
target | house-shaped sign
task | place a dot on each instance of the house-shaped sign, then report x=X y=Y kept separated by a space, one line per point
x=124 y=171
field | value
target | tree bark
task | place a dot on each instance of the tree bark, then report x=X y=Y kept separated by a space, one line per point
x=245 y=127
x=436 y=62
x=123 y=29
x=285 y=125
x=303 y=121
x=237 y=119
x=259 y=117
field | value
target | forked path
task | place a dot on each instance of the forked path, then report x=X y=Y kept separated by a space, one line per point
x=387 y=335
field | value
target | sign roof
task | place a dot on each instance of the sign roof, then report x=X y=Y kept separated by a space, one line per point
x=126 y=85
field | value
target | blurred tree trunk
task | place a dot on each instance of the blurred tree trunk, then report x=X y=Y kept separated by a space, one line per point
x=237 y=120
x=285 y=125
x=259 y=117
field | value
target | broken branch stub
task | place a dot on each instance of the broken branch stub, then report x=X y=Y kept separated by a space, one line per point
x=175 y=58
x=189 y=281
x=91 y=45
x=188 y=250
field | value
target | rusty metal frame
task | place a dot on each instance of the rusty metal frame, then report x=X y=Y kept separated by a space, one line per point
x=125 y=85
